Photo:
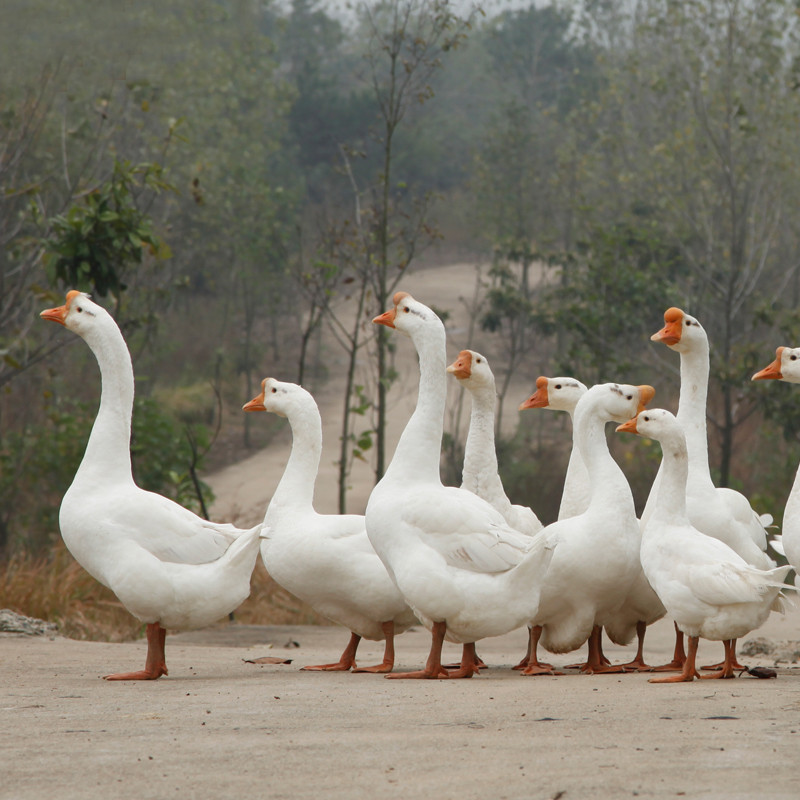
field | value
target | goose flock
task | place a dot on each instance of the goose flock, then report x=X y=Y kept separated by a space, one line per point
x=464 y=561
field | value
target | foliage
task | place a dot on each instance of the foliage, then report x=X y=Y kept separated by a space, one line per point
x=611 y=297
x=104 y=233
x=39 y=461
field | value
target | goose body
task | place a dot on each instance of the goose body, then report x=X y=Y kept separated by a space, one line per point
x=168 y=567
x=708 y=588
x=324 y=559
x=596 y=553
x=480 y=474
x=462 y=568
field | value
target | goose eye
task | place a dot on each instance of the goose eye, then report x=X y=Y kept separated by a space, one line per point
x=630 y=397
x=79 y=309
x=558 y=386
x=274 y=390
x=647 y=419
x=477 y=361
x=793 y=357
x=406 y=310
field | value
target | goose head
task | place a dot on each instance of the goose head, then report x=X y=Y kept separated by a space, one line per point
x=653 y=423
x=618 y=402
x=409 y=316
x=80 y=314
x=681 y=332
x=472 y=370
x=278 y=398
x=785 y=367
x=560 y=394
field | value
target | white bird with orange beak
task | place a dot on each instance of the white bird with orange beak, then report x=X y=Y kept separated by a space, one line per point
x=462 y=568
x=480 y=474
x=708 y=589
x=325 y=559
x=167 y=566
x=721 y=512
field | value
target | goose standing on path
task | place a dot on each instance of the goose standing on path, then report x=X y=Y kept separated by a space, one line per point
x=596 y=554
x=466 y=573
x=722 y=513
x=480 y=474
x=708 y=589
x=167 y=566
x=642 y=606
x=786 y=367
x=325 y=559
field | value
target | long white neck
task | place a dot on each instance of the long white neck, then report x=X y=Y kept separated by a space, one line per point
x=480 y=455
x=296 y=487
x=670 y=498
x=577 y=490
x=108 y=455
x=692 y=409
x=418 y=451
x=608 y=484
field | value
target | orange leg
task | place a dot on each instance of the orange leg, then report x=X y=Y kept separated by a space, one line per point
x=596 y=662
x=638 y=664
x=470 y=663
x=722 y=665
x=433 y=667
x=534 y=666
x=388 y=651
x=729 y=664
x=603 y=660
x=347 y=660
x=689 y=671
x=155 y=665
x=678 y=655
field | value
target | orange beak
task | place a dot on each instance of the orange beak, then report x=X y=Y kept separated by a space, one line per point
x=387 y=318
x=671 y=332
x=257 y=403
x=629 y=426
x=772 y=371
x=646 y=394
x=539 y=398
x=59 y=314
x=462 y=366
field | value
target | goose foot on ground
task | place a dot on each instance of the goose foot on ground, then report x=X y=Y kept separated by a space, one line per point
x=689 y=671
x=433 y=668
x=155 y=664
x=388 y=652
x=345 y=663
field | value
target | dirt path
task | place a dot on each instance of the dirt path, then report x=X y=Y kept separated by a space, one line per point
x=220 y=728
x=243 y=489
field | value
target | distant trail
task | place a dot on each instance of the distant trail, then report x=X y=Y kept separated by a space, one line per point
x=243 y=489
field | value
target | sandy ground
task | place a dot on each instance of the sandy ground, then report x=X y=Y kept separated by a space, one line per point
x=219 y=727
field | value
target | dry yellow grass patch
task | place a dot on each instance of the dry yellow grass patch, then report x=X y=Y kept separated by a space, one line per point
x=55 y=588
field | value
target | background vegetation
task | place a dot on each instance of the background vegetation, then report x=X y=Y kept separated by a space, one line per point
x=229 y=176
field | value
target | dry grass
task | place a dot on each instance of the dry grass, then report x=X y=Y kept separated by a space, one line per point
x=55 y=588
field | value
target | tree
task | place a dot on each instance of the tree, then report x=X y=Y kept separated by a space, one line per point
x=407 y=40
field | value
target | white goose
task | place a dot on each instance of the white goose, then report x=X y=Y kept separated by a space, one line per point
x=709 y=590
x=466 y=573
x=168 y=567
x=786 y=367
x=480 y=474
x=722 y=513
x=325 y=559
x=596 y=553
x=642 y=606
